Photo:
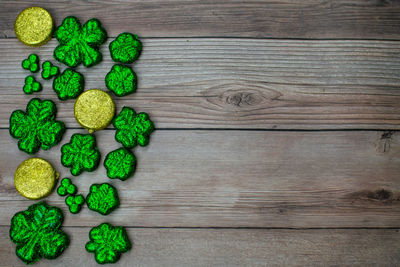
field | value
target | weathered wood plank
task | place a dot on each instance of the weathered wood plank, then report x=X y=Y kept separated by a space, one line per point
x=238 y=179
x=372 y=19
x=239 y=83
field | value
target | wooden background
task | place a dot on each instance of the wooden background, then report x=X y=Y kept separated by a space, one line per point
x=277 y=136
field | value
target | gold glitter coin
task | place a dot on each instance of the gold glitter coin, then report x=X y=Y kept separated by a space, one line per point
x=35 y=178
x=34 y=26
x=94 y=109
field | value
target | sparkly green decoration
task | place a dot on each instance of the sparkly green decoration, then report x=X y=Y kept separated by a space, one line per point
x=31 y=63
x=80 y=154
x=75 y=203
x=125 y=48
x=79 y=44
x=36 y=232
x=120 y=164
x=102 y=198
x=132 y=128
x=69 y=84
x=121 y=80
x=66 y=187
x=49 y=70
x=31 y=85
x=108 y=243
x=36 y=128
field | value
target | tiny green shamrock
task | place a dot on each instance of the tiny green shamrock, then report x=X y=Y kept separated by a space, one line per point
x=80 y=154
x=36 y=128
x=121 y=80
x=125 y=48
x=102 y=198
x=31 y=63
x=74 y=203
x=108 y=243
x=69 y=84
x=49 y=70
x=79 y=44
x=120 y=164
x=36 y=232
x=132 y=128
x=66 y=187
x=31 y=85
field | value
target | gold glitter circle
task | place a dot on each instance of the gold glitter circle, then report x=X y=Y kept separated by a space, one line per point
x=35 y=178
x=94 y=109
x=34 y=26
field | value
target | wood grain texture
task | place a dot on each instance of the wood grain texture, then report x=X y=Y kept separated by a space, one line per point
x=238 y=83
x=364 y=19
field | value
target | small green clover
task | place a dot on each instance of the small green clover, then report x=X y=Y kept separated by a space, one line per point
x=31 y=85
x=31 y=63
x=66 y=187
x=80 y=154
x=108 y=243
x=120 y=164
x=49 y=70
x=125 y=48
x=102 y=198
x=74 y=203
x=69 y=84
x=121 y=80
x=132 y=128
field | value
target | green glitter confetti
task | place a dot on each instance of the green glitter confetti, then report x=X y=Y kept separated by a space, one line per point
x=49 y=70
x=120 y=164
x=79 y=44
x=108 y=243
x=36 y=128
x=31 y=85
x=36 y=232
x=132 y=128
x=125 y=48
x=69 y=84
x=31 y=63
x=80 y=154
x=75 y=203
x=121 y=80
x=66 y=187
x=102 y=198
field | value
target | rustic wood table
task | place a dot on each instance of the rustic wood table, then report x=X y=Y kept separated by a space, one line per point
x=277 y=136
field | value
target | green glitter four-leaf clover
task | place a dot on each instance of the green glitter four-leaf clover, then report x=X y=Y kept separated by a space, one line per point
x=132 y=128
x=79 y=44
x=80 y=154
x=31 y=63
x=36 y=128
x=31 y=85
x=125 y=48
x=66 y=187
x=74 y=203
x=121 y=80
x=102 y=198
x=69 y=84
x=49 y=70
x=36 y=232
x=108 y=243
x=120 y=164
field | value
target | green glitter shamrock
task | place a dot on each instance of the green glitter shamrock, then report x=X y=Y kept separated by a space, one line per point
x=31 y=63
x=120 y=164
x=75 y=203
x=66 y=187
x=108 y=243
x=31 y=85
x=80 y=154
x=36 y=128
x=132 y=128
x=79 y=44
x=125 y=48
x=69 y=84
x=49 y=70
x=121 y=80
x=36 y=232
x=102 y=198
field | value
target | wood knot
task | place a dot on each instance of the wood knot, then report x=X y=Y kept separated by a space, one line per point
x=382 y=196
x=243 y=99
x=385 y=141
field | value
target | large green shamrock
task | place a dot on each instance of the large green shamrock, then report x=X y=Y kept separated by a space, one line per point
x=36 y=128
x=121 y=80
x=102 y=198
x=132 y=128
x=69 y=84
x=120 y=164
x=125 y=48
x=80 y=154
x=79 y=44
x=36 y=232
x=108 y=243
